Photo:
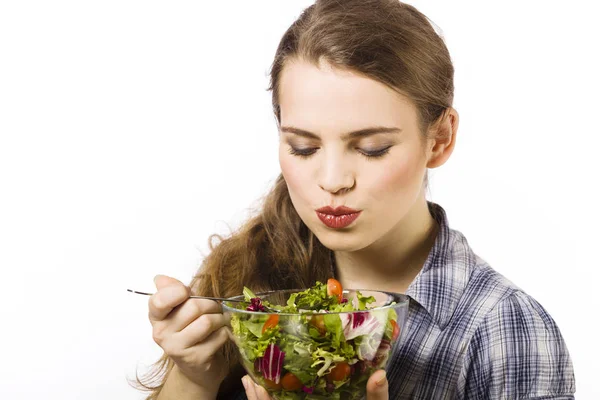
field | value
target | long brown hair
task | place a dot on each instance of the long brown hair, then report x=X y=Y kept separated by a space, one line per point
x=385 y=40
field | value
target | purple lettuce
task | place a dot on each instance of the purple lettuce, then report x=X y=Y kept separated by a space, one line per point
x=256 y=305
x=359 y=323
x=308 y=390
x=272 y=363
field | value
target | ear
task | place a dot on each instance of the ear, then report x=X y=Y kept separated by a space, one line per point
x=441 y=138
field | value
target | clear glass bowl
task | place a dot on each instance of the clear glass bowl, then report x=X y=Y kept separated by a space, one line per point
x=323 y=354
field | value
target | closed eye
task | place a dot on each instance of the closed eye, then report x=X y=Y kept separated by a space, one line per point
x=309 y=151
x=375 y=153
x=303 y=153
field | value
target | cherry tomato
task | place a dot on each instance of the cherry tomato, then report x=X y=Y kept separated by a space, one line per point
x=334 y=287
x=339 y=373
x=318 y=321
x=395 y=330
x=271 y=322
x=272 y=385
x=291 y=382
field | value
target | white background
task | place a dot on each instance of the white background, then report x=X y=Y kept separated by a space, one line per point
x=131 y=130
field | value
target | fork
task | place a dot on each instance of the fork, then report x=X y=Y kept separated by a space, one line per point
x=208 y=298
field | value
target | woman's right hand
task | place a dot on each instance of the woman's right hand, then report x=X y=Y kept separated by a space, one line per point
x=190 y=331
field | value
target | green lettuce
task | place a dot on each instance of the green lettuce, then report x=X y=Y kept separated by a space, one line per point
x=363 y=301
x=315 y=298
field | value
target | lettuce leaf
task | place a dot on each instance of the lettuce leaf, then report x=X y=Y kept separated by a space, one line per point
x=248 y=294
x=314 y=298
x=363 y=301
x=361 y=323
x=333 y=323
x=325 y=360
x=299 y=361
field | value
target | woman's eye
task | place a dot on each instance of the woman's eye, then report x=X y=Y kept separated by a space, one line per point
x=304 y=153
x=307 y=152
x=375 y=153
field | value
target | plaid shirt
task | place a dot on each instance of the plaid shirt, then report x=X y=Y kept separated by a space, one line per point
x=472 y=334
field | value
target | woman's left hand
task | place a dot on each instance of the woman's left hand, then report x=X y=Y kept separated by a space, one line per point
x=377 y=388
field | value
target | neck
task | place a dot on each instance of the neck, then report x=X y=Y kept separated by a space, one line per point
x=395 y=259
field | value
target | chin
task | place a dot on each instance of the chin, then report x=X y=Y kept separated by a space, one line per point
x=341 y=241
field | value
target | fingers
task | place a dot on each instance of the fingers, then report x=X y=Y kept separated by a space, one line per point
x=186 y=329
x=170 y=294
x=262 y=393
x=212 y=344
x=198 y=354
x=254 y=391
x=200 y=329
x=188 y=312
x=249 y=387
x=162 y=280
x=377 y=386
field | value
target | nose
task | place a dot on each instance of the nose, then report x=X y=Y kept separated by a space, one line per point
x=336 y=176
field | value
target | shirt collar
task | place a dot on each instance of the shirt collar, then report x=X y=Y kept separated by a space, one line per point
x=444 y=277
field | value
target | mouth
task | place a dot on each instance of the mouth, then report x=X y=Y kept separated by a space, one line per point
x=337 y=218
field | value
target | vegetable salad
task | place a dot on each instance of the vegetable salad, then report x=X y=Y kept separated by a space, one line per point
x=320 y=345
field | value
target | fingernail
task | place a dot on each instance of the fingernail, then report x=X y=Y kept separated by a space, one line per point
x=245 y=383
x=381 y=382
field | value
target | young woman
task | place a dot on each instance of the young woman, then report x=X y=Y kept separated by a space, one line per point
x=362 y=91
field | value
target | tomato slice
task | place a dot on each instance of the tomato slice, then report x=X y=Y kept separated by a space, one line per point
x=272 y=385
x=334 y=287
x=395 y=330
x=271 y=322
x=291 y=382
x=339 y=373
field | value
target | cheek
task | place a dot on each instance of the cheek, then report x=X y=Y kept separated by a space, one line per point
x=400 y=177
x=295 y=177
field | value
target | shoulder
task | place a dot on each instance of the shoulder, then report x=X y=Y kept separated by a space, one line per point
x=517 y=350
x=505 y=308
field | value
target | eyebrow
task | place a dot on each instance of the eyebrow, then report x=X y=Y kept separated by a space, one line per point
x=350 y=135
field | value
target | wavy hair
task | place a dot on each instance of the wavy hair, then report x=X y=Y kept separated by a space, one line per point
x=385 y=40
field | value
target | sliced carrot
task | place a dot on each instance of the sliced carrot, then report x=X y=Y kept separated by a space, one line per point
x=271 y=322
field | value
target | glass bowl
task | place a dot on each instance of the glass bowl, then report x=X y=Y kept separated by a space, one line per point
x=330 y=354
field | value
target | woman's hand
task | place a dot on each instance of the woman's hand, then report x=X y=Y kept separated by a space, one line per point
x=190 y=331
x=377 y=388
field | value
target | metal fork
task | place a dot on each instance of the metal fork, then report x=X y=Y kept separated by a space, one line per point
x=208 y=298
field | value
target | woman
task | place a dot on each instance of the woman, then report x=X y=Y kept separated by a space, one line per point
x=362 y=92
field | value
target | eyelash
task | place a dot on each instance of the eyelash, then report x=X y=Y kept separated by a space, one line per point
x=305 y=153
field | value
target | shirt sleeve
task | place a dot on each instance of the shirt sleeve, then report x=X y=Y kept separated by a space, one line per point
x=517 y=353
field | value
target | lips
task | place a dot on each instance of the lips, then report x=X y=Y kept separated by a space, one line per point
x=339 y=217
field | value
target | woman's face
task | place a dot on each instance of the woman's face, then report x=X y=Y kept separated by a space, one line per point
x=357 y=144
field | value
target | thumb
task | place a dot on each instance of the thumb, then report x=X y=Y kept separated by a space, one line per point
x=162 y=281
x=377 y=386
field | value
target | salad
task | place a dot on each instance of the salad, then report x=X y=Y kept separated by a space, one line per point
x=319 y=345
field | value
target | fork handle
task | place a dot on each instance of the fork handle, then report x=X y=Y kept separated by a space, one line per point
x=217 y=299
x=194 y=297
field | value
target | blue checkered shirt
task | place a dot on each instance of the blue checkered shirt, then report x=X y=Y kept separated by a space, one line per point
x=473 y=334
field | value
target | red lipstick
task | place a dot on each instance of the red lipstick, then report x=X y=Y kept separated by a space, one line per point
x=337 y=218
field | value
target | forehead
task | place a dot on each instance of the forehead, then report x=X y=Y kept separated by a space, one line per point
x=323 y=98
